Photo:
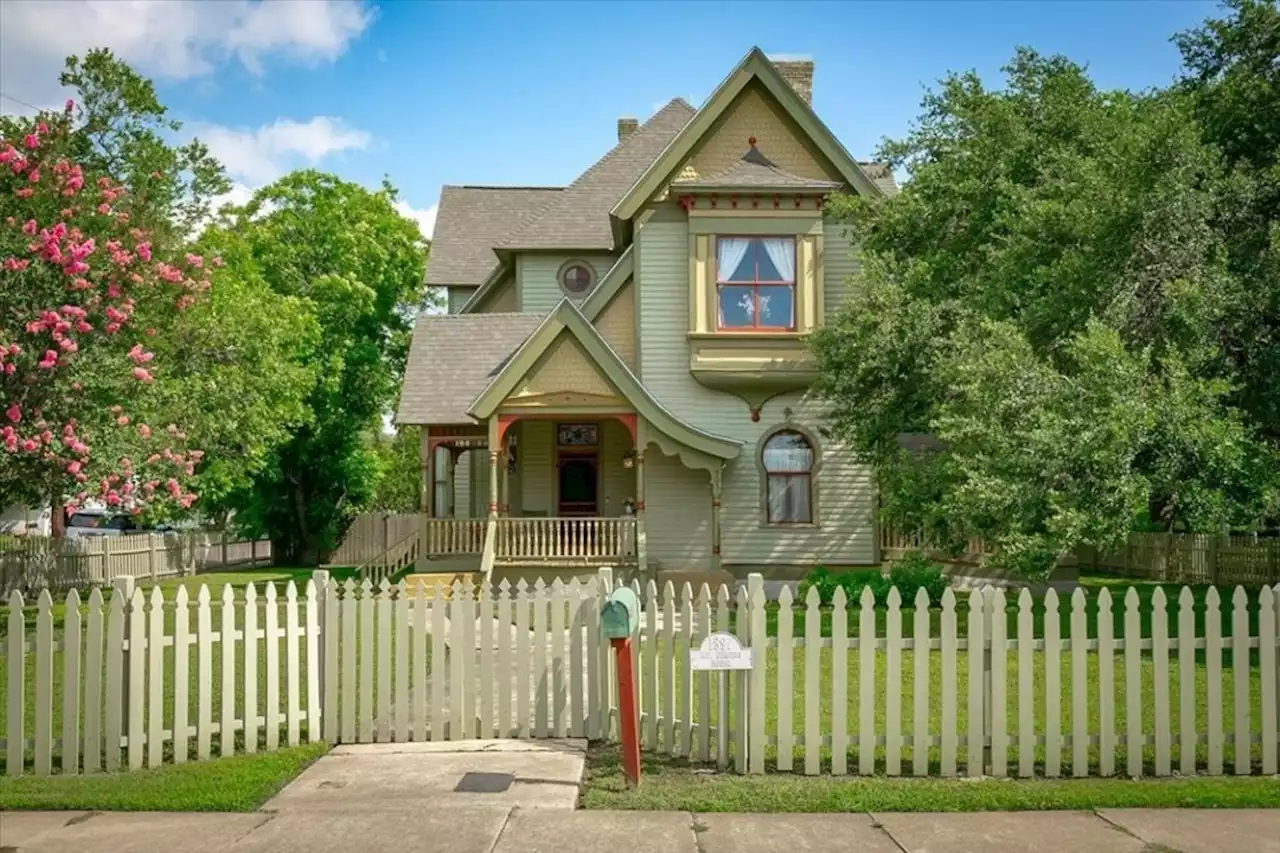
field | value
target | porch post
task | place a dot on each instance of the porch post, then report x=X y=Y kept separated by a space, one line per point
x=495 y=439
x=427 y=454
x=716 y=478
x=504 y=500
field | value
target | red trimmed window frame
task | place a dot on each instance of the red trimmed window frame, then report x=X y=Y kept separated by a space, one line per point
x=755 y=284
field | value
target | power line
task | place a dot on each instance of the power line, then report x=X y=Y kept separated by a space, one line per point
x=7 y=96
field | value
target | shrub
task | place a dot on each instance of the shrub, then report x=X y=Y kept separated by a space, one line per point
x=821 y=579
x=916 y=571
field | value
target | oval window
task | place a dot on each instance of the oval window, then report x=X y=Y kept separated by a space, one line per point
x=576 y=278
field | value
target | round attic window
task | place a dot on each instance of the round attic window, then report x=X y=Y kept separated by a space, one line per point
x=576 y=278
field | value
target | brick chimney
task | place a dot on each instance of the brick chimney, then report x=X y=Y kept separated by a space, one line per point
x=798 y=71
x=627 y=125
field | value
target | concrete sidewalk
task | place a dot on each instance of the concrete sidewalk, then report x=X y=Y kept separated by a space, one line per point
x=455 y=828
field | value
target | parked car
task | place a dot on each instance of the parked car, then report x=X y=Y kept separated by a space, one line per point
x=86 y=523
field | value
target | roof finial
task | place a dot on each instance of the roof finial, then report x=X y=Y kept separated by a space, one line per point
x=751 y=140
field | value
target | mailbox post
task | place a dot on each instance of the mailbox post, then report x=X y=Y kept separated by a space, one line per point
x=618 y=619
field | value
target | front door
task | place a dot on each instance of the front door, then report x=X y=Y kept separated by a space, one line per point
x=579 y=484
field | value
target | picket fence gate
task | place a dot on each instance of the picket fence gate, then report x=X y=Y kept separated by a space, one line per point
x=139 y=680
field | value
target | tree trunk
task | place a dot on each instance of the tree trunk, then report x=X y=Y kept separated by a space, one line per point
x=57 y=519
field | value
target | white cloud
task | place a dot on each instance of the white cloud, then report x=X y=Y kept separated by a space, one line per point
x=261 y=155
x=426 y=219
x=174 y=39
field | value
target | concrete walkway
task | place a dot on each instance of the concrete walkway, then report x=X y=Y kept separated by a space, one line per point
x=436 y=826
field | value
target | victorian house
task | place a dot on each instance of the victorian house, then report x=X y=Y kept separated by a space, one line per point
x=621 y=376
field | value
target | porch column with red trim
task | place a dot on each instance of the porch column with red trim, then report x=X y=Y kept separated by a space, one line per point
x=717 y=476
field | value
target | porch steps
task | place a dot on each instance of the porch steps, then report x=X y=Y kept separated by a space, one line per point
x=428 y=581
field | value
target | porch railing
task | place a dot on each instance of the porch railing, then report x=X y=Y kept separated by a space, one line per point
x=454 y=536
x=569 y=539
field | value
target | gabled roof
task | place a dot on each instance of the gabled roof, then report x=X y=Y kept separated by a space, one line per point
x=566 y=317
x=578 y=218
x=882 y=174
x=451 y=360
x=471 y=221
x=756 y=171
x=754 y=66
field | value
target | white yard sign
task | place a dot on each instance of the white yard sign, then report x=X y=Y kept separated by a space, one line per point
x=720 y=651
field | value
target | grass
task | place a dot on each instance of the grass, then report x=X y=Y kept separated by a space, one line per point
x=236 y=784
x=672 y=784
x=796 y=695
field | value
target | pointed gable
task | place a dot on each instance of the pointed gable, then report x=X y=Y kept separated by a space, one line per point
x=733 y=101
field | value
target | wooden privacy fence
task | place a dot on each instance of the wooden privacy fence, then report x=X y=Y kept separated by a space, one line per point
x=371 y=534
x=1190 y=558
x=31 y=563
x=976 y=687
x=1186 y=558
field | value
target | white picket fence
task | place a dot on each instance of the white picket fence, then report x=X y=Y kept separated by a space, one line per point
x=139 y=680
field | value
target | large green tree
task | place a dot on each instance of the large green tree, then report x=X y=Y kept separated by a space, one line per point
x=357 y=265
x=1051 y=298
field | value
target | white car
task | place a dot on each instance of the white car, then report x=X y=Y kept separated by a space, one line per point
x=86 y=523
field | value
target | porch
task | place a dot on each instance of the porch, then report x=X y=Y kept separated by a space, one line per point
x=569 y=542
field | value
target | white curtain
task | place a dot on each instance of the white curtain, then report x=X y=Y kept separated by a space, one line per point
x=782 y=252
x=789 y=499
x=729 y=254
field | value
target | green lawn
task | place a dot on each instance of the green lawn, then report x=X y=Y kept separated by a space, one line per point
x=237 y=784
x=796 y=694
x=675 y=785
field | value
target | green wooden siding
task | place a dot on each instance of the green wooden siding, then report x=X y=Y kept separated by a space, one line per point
x=838 y=264
x=677 y=504
x=536 y=277
x=844 y=496
x=535 y=452
x=458 y=297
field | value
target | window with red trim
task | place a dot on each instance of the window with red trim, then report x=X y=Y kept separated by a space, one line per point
x=756 y=283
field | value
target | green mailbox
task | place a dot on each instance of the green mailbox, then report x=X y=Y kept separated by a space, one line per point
x=621 y=614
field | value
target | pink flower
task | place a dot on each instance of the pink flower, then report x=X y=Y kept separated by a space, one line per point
x=25 y=192
x=31 y=140
x=29 y=227
x=71 y=105
x=139 y=355
x=42 y=128
x=144 y=251
x=49 y=361
x=144 y=430
x=29 y=444
x=142 y=375
x=195 y=260
x=123 y=420
x=14 y=413
x=217 y=260
x=34 y=176
x=73 y=467
x=104 y=208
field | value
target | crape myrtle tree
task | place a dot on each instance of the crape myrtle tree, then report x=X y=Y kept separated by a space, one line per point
x=1075 y=296
x=79 y=280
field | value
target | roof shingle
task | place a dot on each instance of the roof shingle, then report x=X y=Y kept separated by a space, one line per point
x=452 y=359
x=578 y=218
x=471 y=221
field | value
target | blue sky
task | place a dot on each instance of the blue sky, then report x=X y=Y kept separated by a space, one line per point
x=529 y=93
